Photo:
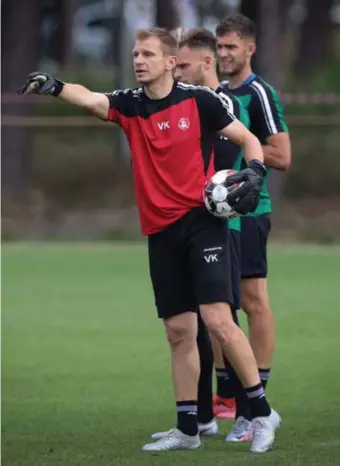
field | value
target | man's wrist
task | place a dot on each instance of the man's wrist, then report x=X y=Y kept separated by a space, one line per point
x=59 y=86
x=258 y=167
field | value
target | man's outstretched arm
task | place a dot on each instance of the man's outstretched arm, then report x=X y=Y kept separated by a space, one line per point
x=76 y=94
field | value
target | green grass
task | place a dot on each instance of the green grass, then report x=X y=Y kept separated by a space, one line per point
x=85 y=365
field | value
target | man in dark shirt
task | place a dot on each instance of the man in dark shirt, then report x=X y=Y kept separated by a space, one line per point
x=171 y=129
x=236 y=44
x=196 y=64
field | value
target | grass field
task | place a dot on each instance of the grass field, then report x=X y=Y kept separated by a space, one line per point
x=85 y=375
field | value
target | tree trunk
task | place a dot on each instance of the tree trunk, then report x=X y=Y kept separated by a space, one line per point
x=61 y=40
x=270 y=50
x=66 y=42
x=273 y=14
x=251 y=9
x=19 y=53
x=124 y=73
x=166 y=15
x=284 y=7
x=270 y=17
x=314 y=46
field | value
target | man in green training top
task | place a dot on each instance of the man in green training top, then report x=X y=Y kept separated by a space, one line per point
x=236 y=36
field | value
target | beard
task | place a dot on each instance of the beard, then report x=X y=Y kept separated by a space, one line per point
x=236 y=70
x=198 y=78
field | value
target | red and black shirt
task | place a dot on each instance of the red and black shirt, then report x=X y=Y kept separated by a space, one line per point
x=171 y=142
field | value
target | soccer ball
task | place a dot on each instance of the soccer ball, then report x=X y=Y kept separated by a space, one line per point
x=215 y=195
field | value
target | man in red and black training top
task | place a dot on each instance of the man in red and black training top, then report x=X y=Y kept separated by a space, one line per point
x=171 y=131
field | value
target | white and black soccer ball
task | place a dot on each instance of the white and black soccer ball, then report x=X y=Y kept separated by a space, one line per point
x=215 y=195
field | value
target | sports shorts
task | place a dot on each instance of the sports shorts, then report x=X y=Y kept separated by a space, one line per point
x=189 y=263
x=254 y=236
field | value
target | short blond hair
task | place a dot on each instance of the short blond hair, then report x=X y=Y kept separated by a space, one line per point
x=169 y=43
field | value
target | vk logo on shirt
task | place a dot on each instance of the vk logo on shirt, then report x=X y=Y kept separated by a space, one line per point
x=163 y=125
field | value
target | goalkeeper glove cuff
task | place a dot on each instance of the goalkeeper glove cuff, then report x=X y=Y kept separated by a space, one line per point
x=59 y=86
x=258 y=167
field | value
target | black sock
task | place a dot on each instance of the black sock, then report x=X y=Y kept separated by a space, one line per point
x=258 y=403
x=187 y=417
x=205 y=389
x=264 y=376
x=241 y=399
x=223 y=383
x=229 y=383
x=242 y=404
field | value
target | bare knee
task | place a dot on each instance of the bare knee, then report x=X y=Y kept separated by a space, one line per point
x=254 y=296
x=181 y=329
x=218 y=319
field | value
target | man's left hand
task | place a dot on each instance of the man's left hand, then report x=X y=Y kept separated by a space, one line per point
x=245 y=199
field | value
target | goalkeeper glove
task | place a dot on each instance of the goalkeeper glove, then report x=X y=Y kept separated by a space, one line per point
x=245 y=199
x=42 y=84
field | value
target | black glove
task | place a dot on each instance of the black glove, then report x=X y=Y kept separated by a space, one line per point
x=245 y=199
x=41 y=83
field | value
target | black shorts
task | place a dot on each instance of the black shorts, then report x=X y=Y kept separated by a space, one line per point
x=190 y=263
x=254 y=236
x=235 y=258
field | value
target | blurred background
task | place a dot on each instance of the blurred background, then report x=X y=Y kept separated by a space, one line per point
x=67 y=175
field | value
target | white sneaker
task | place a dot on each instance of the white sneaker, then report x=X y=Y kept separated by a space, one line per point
x=208 y=429
x=264 y=432
x=242 y=431
x=174 y=440
x=275 y=419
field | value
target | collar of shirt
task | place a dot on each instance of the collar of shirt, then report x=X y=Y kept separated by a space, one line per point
x=248 y=80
